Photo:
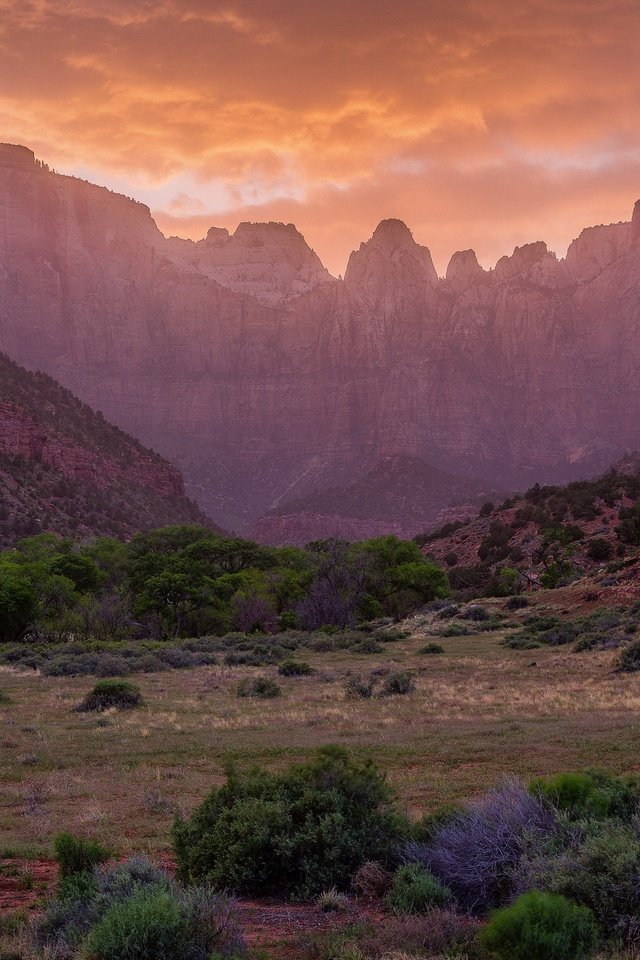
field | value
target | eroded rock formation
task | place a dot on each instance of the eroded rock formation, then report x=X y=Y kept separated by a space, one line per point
x=265 y=379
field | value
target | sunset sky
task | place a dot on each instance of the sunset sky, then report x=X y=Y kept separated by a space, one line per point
x=481 y=123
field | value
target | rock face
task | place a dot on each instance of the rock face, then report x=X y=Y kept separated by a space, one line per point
x=239 y=358
x=268 y=261
x=64 y=468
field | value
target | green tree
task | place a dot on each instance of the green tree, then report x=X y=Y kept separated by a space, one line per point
x=18 y=602
x=399 y=576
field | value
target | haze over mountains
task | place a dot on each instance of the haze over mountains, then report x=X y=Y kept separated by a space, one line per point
x=269 y=382
x=63 y=468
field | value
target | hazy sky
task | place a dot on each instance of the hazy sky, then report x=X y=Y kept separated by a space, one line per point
x=481 y=123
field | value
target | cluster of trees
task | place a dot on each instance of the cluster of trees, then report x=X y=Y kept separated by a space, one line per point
x=183 y=581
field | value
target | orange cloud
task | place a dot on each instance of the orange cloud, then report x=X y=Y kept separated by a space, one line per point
x=483 y=123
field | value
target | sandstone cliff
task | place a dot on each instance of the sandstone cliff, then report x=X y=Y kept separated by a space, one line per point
x=265 y=379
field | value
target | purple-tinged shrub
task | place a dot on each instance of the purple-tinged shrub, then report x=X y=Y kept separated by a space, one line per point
x=475 y=852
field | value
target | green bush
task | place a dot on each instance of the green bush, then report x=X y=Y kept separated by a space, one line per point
x=541 y=926
x=602 y=874
x=111 y=693
x=75 y=855
x=517 y=602
x=398 y=682
x=594 y=794
x=263 y=688
x=135 y=910
x=455 y=630
x=295 y=668
x=629 y=658
x=415 y=890
x=292 y=834
x=599 y=549
x=431 y=649
x=357 y=687
x=146 y=927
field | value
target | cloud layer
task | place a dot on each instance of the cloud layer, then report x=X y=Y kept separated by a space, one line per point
x=481 y=123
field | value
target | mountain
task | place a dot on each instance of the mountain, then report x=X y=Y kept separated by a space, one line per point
x=265 y=379
x=63 y=468
x=399 y=495
x=583 y=524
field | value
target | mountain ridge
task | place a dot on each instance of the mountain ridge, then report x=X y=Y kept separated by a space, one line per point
x=64 y=469
x=519 y=373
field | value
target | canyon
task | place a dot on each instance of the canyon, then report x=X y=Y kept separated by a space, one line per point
x=278 y=389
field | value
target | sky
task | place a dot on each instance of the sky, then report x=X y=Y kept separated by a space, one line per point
x=480 y=123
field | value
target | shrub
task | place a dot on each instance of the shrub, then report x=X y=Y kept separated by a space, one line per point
x=264 y=688
x=398 y=682
x=474 y=852
x=593 y=794
x=135 y=910
x=292 y=834
x=358 y=687
x=391 y=635
x=629 y=659
x=163 y=921
x=517 y=602
x=111 y=693
x=455 y=630
x=372 y=880
x=448 y=611
x=430 y=649
x=521 y=641
x=602 y=874
x=475 y=613
x=75 y=855
x=541 y=926
x=366 y=645
x=599 y=550
x=147 y=926
x=332 y=901
x=414 y=890
x=5 y=699
x=295 y=668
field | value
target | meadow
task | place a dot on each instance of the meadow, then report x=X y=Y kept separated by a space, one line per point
x=478 y=710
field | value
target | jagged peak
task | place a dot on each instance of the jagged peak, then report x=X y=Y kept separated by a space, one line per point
x=392 y=244
x=522 y=259
x=216 y=236
x=464 y=269
x=268 y=228
x=393 y=231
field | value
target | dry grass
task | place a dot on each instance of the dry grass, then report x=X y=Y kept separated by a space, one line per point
x=478 y=711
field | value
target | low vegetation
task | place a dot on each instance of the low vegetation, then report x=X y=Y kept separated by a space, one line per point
x=110 y=608
x=546 y=537
x=111 y=694
x=294 y=834
x=134 y=911
x=391 y=863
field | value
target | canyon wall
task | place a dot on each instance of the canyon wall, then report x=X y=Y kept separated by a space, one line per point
x=265 y=379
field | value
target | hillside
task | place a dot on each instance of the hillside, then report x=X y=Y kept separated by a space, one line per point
x=63 y=468
x=550 y=534
x=399 y=495
x=265 y=379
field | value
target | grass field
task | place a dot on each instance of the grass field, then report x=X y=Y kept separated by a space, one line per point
x=479 y=711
